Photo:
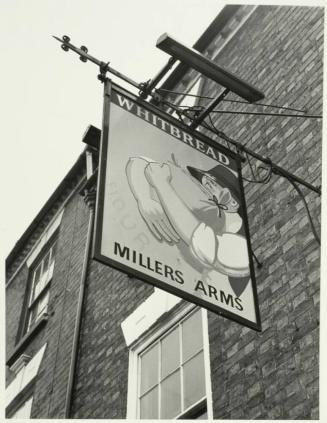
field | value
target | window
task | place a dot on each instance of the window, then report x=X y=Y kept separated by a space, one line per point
x=41 y=275
x=26 y=370
x=24 y=411
x=172 y=382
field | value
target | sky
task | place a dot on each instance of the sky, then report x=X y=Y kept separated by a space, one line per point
x=49 y=97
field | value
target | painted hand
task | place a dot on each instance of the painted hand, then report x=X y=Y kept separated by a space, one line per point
x=156 y=173
x=157 y=221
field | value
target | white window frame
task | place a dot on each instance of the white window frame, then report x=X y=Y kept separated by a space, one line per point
x=44 y=281
x=25 y=374
x=145 y=342
x=24 y=411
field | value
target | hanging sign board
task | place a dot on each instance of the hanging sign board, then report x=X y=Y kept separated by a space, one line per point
x=171 y=210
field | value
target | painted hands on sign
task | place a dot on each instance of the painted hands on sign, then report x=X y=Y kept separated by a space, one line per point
x=151 y=210
x=156 y=173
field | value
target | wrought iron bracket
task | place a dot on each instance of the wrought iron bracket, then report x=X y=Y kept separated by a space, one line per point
x=213 y=103
x=84 y=56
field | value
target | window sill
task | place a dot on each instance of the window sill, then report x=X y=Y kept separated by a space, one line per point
x=27 y=339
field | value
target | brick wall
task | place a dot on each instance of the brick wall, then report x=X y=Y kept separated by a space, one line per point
x=14 y=300
x=51 y=385
x=274 y=374
x=101 y=387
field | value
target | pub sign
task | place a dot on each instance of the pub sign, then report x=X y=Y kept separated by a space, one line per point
x=171 y=210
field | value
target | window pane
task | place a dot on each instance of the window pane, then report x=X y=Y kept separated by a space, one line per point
x=38 y=308
x=192 y=335
x=194 y=384
x=37 y=273
x=171 y=396
x=43 y=303
x=37 y=289
x=33 y=315
x=46 y=262
x=36 y=281
x=149 y=368
x=170 y=353
x=53 y=252
x=43 y=281
x=50 y=273
x=149 y=405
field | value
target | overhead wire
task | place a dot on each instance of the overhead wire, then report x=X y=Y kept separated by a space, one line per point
x=250 y=165
x=213 y=126
x=265 y=179
x=232 y=101
x=233 y=112
x=297 y=188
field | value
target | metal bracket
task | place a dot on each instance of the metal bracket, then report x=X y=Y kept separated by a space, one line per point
x=259 y=264
x=213 y=103
x=148 y=86
x=103 y=71
x=85 y=56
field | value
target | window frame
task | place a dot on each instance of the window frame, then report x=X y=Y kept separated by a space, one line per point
x=29 y=303
x=24 y=405
x=34 y=300
x=145 y=342
x=47 y=278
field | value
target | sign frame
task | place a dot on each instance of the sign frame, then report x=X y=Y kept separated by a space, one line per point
x=98 y=228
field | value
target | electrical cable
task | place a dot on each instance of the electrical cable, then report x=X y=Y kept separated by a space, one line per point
x=313 y=229
x=266 y=114
x=180 y=113
x=250 y=165
x=267 y=105
x=232 y=101
x=233 y=112
x=186 y=95
x=265 y=179
x=213 y=126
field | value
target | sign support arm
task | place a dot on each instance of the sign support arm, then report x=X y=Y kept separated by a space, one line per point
x=277 y=170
